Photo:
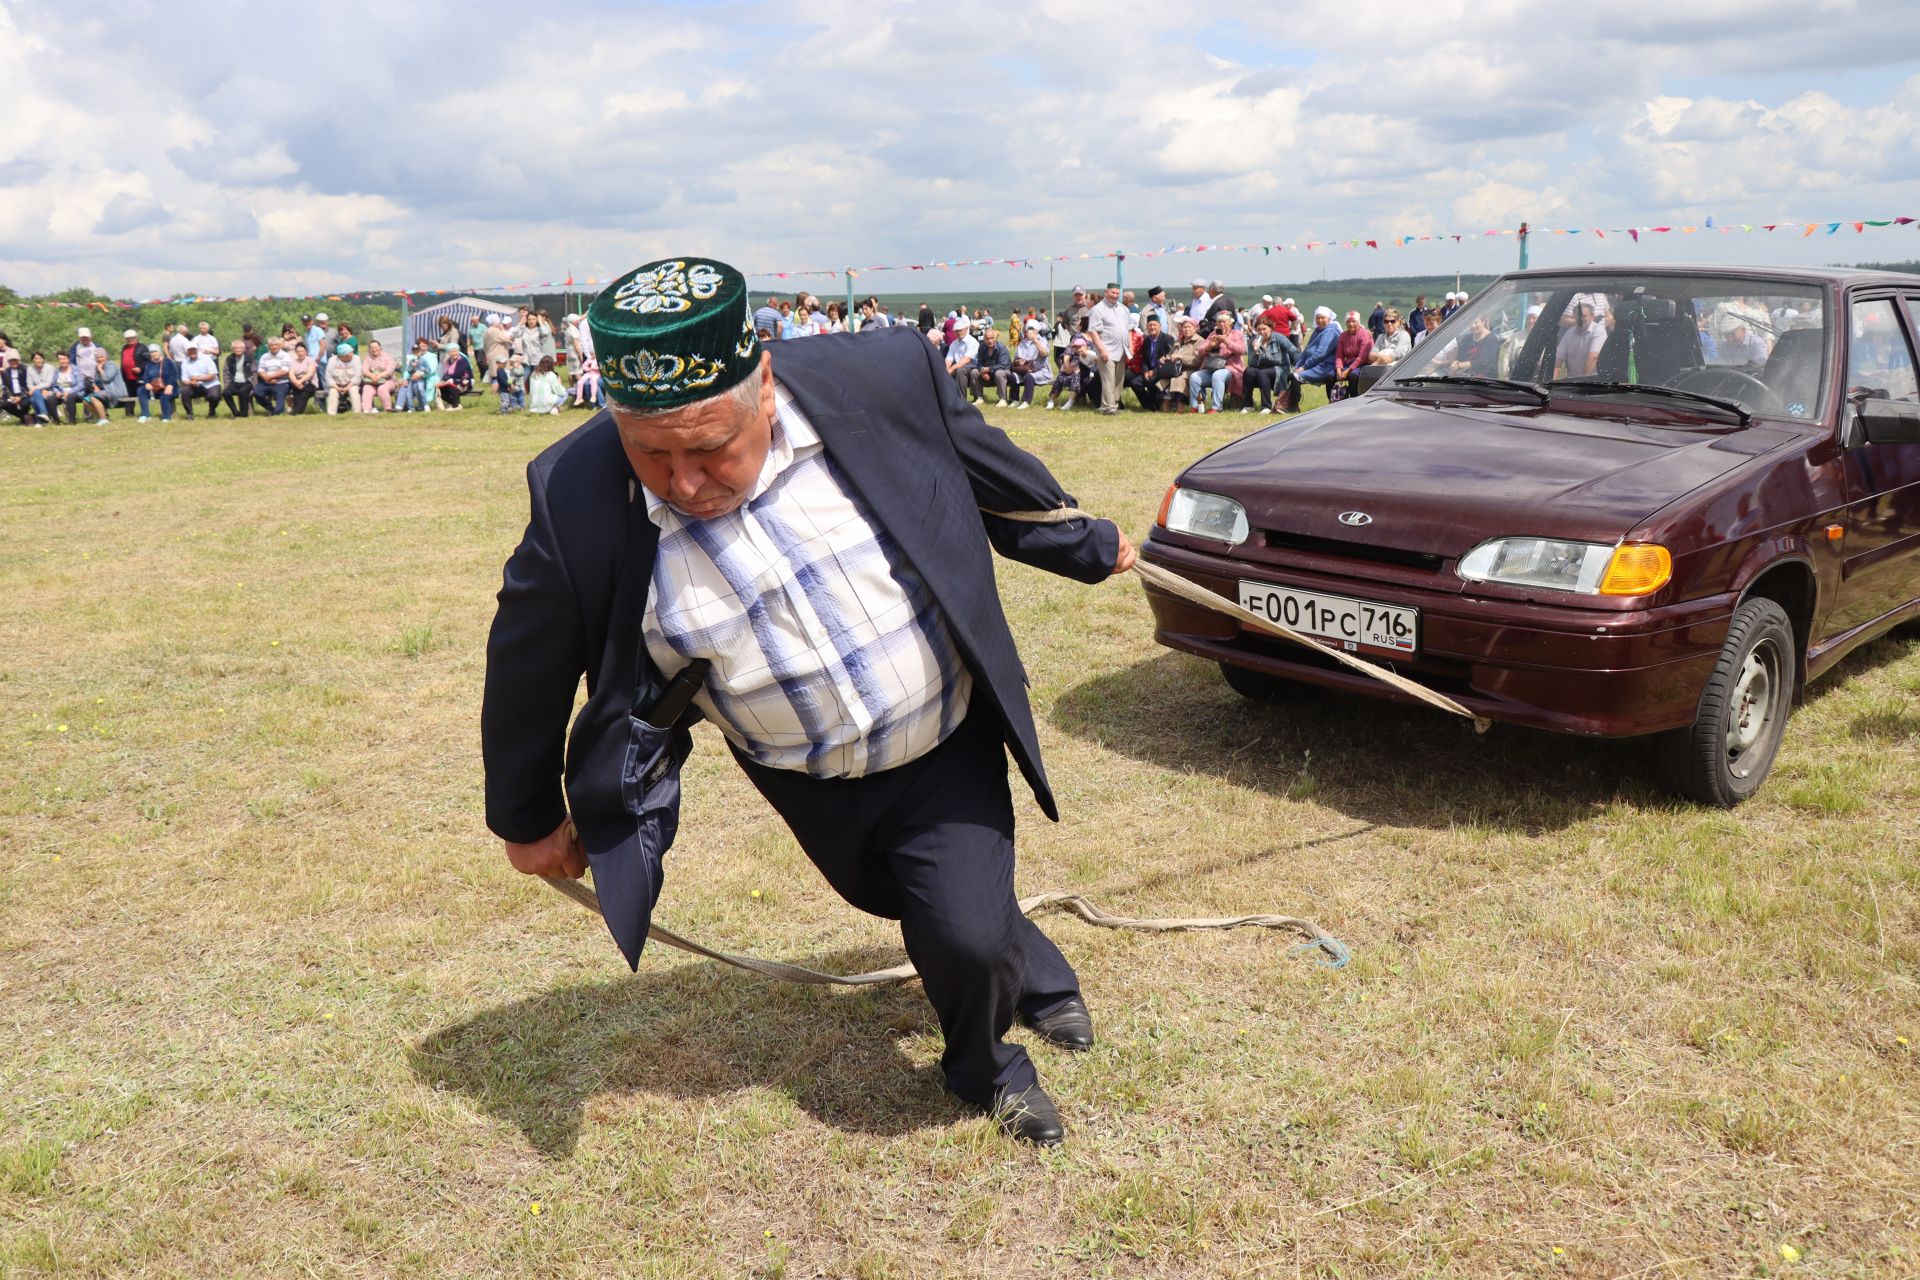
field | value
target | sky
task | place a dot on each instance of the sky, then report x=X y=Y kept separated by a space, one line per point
x=424 y=146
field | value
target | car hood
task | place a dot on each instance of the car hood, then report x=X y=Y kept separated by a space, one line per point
x=1438 y=479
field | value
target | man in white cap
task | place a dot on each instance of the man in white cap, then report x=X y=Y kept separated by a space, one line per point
x=1201 y=300
x=961 y=351
x=86 y=354
x=133 y=354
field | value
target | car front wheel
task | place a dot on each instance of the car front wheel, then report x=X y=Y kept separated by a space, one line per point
x=1726 y=753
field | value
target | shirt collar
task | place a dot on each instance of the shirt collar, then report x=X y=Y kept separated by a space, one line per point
x=793 y=438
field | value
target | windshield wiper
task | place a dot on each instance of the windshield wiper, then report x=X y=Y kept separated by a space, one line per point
x=1675 y=393
x=1533 y=389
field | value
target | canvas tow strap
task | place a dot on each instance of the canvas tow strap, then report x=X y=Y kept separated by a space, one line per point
x=1174 y=584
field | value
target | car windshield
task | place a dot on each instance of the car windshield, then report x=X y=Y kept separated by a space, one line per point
x=1756 y=346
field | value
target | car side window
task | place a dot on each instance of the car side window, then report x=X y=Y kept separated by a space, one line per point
x=1879 y=361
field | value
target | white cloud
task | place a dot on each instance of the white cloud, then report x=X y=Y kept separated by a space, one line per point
x=414 y=146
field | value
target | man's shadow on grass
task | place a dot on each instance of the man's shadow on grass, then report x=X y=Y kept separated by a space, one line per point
x=1375 y=761
x=695 y=1031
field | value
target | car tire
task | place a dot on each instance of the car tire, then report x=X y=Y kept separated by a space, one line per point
x=1725 y=754
x=1258 y=686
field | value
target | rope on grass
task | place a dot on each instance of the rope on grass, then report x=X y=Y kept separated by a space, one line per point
x=1333 y=953
x=1074 y=903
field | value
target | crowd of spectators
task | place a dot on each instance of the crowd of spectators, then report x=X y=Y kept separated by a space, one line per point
x=1204 y=354
x=312 y=366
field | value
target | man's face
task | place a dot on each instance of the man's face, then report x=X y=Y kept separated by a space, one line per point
x=1153 y=326
x=273 y=345
x=703 y=459
x=239 y=348
x=205 y=327
x=1113 y=297
x=1199 y=290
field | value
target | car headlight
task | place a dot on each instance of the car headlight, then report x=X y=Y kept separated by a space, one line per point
x=1588 y=568
x=1204 y=515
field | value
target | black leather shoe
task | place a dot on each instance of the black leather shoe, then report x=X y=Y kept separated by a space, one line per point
x=1070 y=1026
x=1029 y=1116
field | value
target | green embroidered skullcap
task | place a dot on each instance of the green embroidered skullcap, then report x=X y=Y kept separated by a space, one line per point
x=673 y=332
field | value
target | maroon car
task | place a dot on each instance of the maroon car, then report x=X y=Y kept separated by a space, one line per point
x=1610 y=501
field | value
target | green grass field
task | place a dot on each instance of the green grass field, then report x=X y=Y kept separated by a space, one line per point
x=274 y=1004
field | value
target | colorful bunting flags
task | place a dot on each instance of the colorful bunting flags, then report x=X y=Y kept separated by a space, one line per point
x=1806 y=229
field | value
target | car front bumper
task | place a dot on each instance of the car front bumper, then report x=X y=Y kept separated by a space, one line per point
x=1605 y=673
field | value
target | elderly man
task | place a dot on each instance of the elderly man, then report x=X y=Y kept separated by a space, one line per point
x=961 y=351
x=236 y=378
x=1109 y=325
x=1197 y=307
x=273 y=377
x=730 y=531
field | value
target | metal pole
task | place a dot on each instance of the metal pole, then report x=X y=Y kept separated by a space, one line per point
x=847 y=319
x=1050 y=311
x=1120 y=271
x=1523 y=246
x=406 y=310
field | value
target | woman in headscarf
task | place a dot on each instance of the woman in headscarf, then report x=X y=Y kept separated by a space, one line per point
x=1317 y=360
x=343 y=380
x=1350 y=353
x=456 y=376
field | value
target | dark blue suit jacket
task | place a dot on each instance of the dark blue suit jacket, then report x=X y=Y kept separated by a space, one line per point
x=572 y=602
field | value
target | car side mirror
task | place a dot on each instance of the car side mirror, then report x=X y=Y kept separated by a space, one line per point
x=1367 y=374
x=1889 y=421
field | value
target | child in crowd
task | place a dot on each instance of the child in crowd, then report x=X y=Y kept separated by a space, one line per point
x=586 y=387
x=544 y=392
x=511 y=382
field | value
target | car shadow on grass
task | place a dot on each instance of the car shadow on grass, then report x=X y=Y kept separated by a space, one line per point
x=691 y=1031
x=1375 y=761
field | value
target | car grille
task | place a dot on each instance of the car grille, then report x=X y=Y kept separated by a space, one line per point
x=1281 y=541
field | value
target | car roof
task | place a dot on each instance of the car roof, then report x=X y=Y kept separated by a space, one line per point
x=1840 y=276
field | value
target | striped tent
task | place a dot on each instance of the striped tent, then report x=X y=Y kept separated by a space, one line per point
x=426 y=323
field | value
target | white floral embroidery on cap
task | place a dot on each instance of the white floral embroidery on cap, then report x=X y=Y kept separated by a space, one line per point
x=669 y=287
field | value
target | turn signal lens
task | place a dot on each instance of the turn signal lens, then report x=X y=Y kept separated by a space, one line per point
x=1637 y=569
x=1166 y=502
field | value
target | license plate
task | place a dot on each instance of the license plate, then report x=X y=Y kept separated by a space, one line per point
x=1350 y=624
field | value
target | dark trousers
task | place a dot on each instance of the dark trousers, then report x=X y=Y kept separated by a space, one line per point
x=1146 y=388
x=1261 y=382
x=930 y=844
x=210 y=392
x=239 y=398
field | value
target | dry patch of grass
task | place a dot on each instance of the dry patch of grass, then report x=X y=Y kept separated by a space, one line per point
x=274 y=1003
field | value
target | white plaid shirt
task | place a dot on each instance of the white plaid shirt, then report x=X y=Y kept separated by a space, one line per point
x=829 y=653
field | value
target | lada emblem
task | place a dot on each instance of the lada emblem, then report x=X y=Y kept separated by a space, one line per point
x=1355 y=517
